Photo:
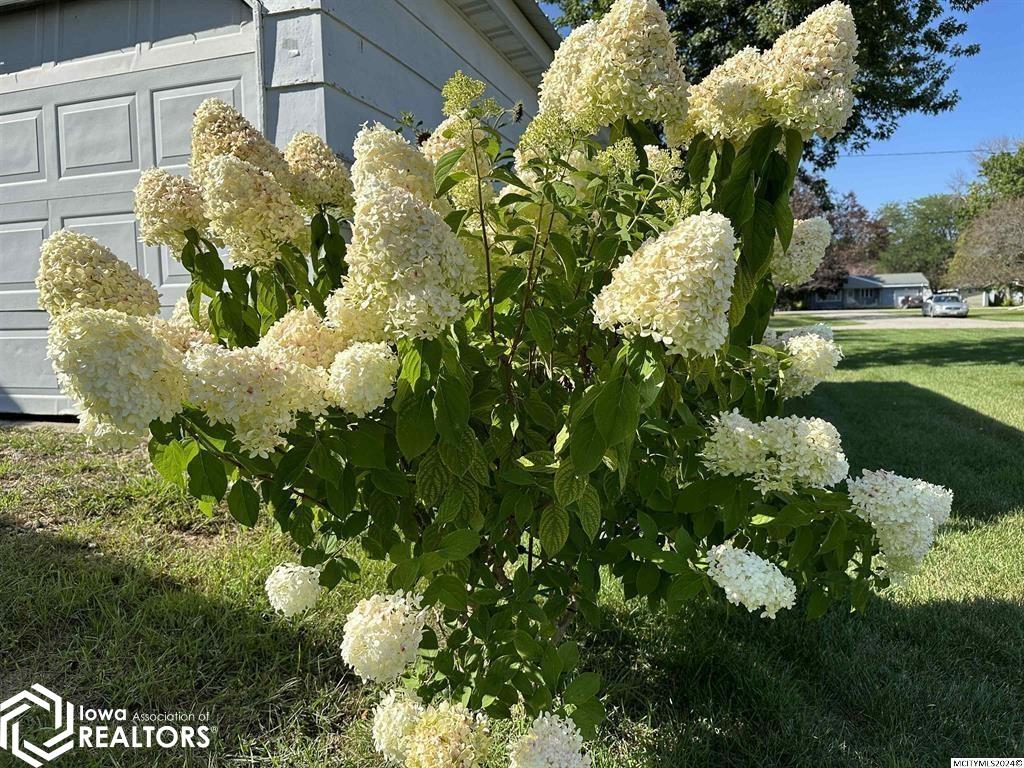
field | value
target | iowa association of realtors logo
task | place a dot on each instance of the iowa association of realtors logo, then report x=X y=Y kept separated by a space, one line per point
x=96 y=728
x=63 y=714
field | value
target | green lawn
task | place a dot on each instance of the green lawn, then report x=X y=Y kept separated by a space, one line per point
x=998 y=313
x=783 y=321
x=119 y=592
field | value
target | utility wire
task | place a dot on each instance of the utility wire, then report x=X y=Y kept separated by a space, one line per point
x=930 y=152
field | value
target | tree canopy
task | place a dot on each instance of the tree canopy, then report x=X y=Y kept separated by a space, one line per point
x=907 y=52
x=991 y=249
x=922 y=235
x=1000 y=177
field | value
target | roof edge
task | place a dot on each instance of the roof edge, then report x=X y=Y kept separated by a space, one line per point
x=540 y=22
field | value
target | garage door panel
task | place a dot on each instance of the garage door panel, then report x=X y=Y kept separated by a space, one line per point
x=21 y=139
x=19 y=262
x=172 y=116
x=98 y=136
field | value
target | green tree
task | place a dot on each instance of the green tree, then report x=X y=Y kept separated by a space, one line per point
x=1000 y=177
x=922 y=235
x=991 y=249
x=907 y=51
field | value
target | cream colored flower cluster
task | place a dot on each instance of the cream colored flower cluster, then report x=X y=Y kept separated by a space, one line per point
x=105 y=436
x=813 y=359
x=796 y=265
x=301 y=336
x=750 y=580
x=362 y=377
x=394 y=720
x=319 y=178
x=251 y=212
x=181 y=330
x=809 y=72
x=778 y=454
x=257 y=396
x=383 y=635
x=663 y=164
x=618 y=159
x=675 y=288
x=217 y=130
x=293 y=588
x=905 y=514
x=623 y=65
x=551 y=742
x=452 y=134
x=729 y=103
x=117 y=369
x=166 y=206
x=385 y=157
x=448 y=736
x=77 y=271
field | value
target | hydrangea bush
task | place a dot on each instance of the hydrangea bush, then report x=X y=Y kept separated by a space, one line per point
x=511 y=373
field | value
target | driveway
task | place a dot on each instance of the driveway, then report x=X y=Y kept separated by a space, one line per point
x=862 y=319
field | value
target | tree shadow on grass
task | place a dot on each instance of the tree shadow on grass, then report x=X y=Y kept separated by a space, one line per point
x=915 y=432
x=905 y=685
x=104 y=632
x=951 y=348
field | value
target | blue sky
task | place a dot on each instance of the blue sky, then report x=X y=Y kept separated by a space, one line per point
x=991 y=87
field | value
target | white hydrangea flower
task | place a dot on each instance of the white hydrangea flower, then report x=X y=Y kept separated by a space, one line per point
x=251 y=212
x=675 y=288
x=254 y=394
x=551 y=742
x=448 y=736
x=558 y=85
x=793 y=452
x=663 y=164
x=454 y=133
x=750 y=580
x=166 y=205
x=181 y=330
x=813 y=359
x=117 y=369
x=383 y=635
x=905 y=514
x=104 y=436
x=359 y=309
x=76 y=271
x=218 y=129
x=293 y=588
x=728 y=104
x=362 y=377
x=385 y=157
x=301 y=336
x=319 y=177
x=806 y=250
x=809 y=72
x=394 y=720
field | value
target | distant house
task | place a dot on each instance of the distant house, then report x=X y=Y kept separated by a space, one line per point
x=873 y=291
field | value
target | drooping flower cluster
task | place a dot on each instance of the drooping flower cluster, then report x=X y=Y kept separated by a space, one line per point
x=302 y=337
x=675 y=288
x=385 y=157
x=394 y=720
x=75 y=270
x=251 y=212
x=319 y=178
x=181 y=330
x=813 y=359
x=778 y=454
x=382 y=635
x=905 y=514
x=447 y=735
x=257 y=396
x=797 y=264
x=362 y=377
x=116 y=368
x=551 y=742
x=622 y=65
x=750 y=580
x=166 y=206
x=105 y=436
x=809 y=72
x=217 y=130
x=293 y=588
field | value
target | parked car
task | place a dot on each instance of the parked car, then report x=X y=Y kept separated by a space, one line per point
x=944 y=305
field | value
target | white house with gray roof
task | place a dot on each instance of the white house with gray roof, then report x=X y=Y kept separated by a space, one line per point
x=874 y=291
x=92 y=92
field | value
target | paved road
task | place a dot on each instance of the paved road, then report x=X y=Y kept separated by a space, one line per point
x=862 y=319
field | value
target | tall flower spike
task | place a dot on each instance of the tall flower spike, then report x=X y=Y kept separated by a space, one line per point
x=318 y=176
x=166 y=206
x=675 y=288
x=76 y=271
x=301 y=336
x=797 y=264
x=385 y=157
x=218 y=129
x=251 y=212
x=750 y=581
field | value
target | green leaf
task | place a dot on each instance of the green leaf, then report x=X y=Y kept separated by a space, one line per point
x=451 y=407
x=414 y=426
x=568 y=486
x=836 y=536
x=554 y=528
x=540 y=328
x=458 y=545
x=443 y=167
x=457 y=454
x=171 y=459
x=448 y=589
x=586 y=445
x=366 y=446
x=431 y=479
x=206 y=476
x=450 y=507
x=583 y=688
x=588 y=510
x=244 y=503
x=617 y=409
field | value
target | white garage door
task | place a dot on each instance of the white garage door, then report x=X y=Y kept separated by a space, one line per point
x=91 y=93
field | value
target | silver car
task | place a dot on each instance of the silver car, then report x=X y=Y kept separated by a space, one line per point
x=944 y=305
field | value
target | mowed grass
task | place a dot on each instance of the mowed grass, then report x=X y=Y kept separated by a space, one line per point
x=783 y=321
x=119 y=593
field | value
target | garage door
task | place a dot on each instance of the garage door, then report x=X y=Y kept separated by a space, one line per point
x=91 y=93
